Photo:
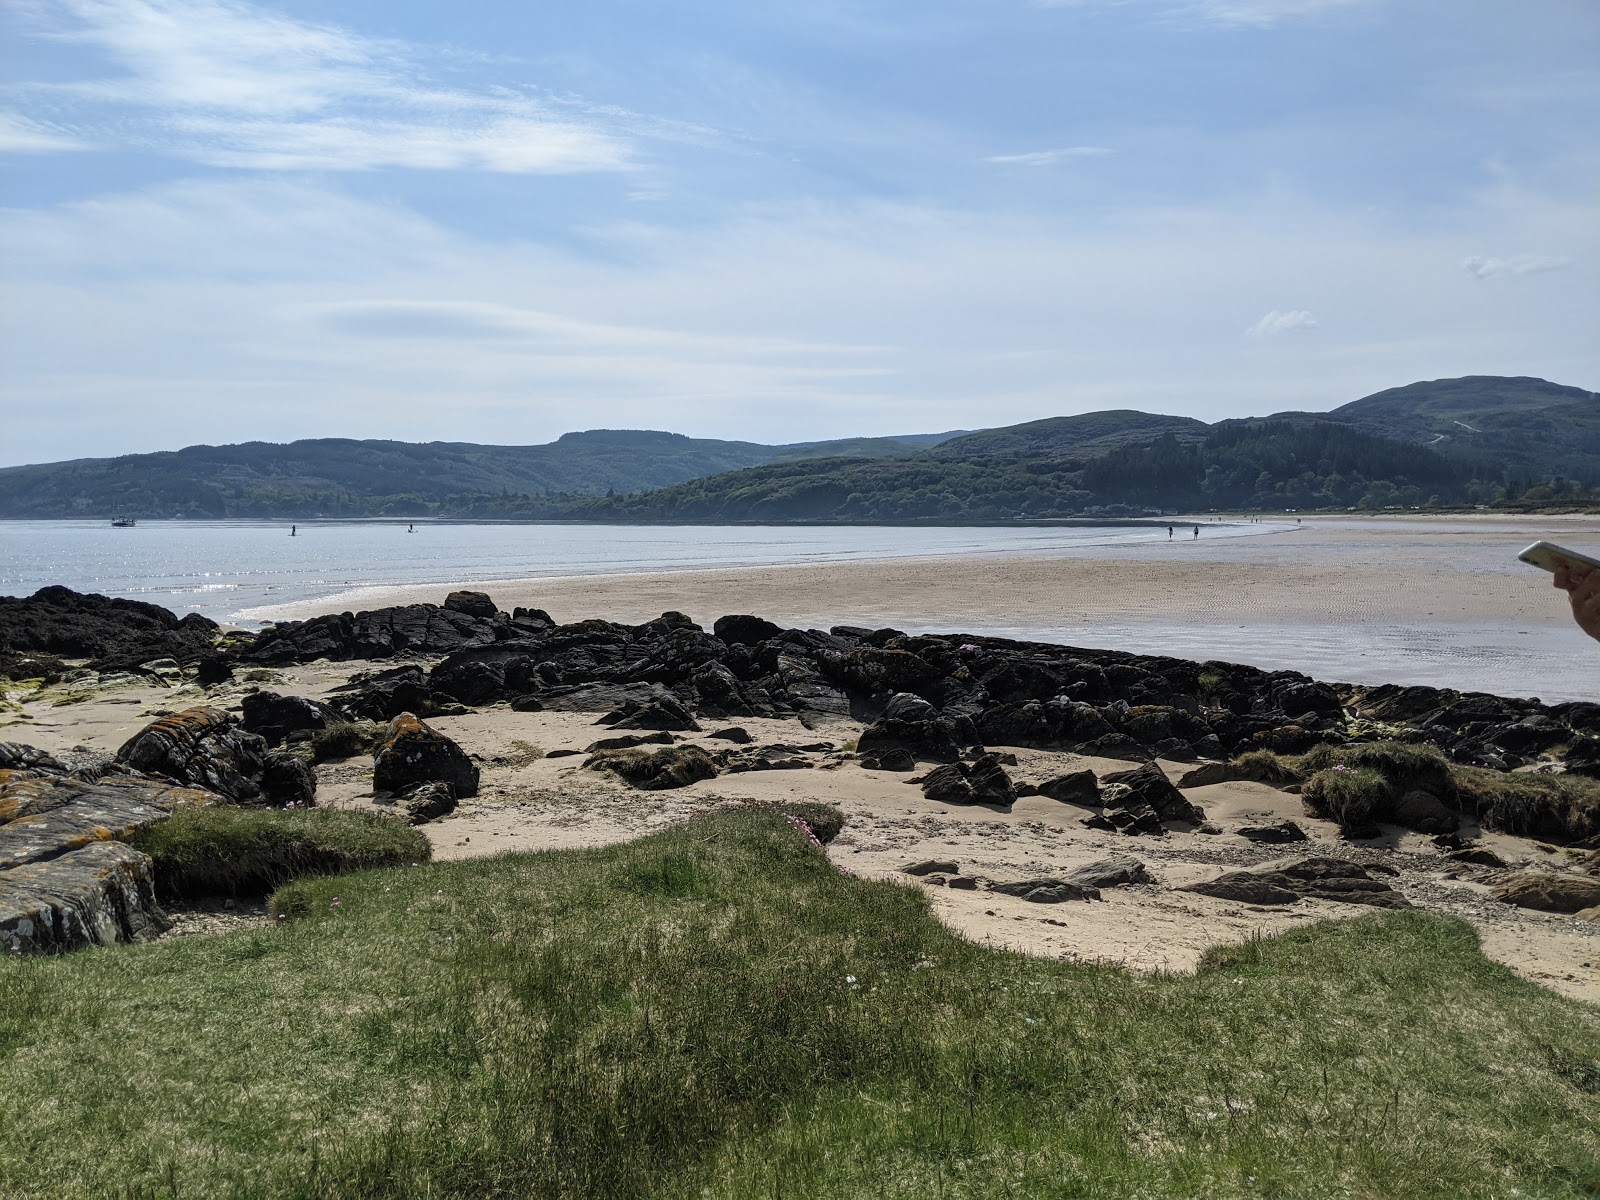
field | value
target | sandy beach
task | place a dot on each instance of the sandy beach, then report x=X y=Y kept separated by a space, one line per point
x=533 y=798
x=1440 y=601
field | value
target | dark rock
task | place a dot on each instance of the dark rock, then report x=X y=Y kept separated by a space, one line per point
x=948 y=785
x=1046 y=891
x=720 y=692
x=895 y=758
x=907 y=706
x=1149 y=785
x=562 y=753
x=628 y=740
x=1174 y=750
x=930 y=866
x=384 y=695
x=1424 y=812
x=742 y=630
x=287 y=780
x=1276 y=834
x=1289 y=880
x=381 y=633
x=1547 y=891
x=212 y=669
x=113 y=634
x=1477 y=856
x=1076 y=787
x=963 y=883
x=1115 y=745
x=1205 y=775
x=931 y=741
x=1131 y=818
x=428 y=802
x=669 y=767
x=982 y=782
x=733 y=733
x=663 y=714
x=45 y=816
x=472 y=604
x=201 y=747
x=414 y=754
x=275 y=717
x=602 y=697
x=527 y=704
x=14 y=756
x=1117 y=871
x=100 y=893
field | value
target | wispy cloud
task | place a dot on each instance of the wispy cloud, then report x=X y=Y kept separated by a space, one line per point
x=1519 y=264
x=227 y=84
x=1274 y=323
x=1045 y=158
x=1239 y=14
x=20 y=135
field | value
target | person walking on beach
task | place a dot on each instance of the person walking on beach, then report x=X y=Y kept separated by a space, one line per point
x=1197 y=532
x=1583 y=591
x=1169 y=533
x=292 y=530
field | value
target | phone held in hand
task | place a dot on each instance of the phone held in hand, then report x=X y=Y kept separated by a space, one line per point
x=1548 y=556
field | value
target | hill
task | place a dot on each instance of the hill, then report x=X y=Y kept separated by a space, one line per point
x=345 y=477
x=1082 y=436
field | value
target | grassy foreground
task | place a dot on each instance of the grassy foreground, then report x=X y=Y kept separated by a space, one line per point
x=715 y=1011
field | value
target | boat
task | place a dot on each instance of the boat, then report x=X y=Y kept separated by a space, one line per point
x=121 y=522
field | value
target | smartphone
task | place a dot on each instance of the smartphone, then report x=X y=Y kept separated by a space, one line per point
x=1548 y=556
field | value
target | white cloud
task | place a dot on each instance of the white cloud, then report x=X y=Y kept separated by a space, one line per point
x=1238 y=14
x=227 y=84
x=1272 y=324
x=1480 y=267
x=20 y=135
x=1045 y=158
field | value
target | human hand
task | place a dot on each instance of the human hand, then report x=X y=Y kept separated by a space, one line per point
x=1583 y=591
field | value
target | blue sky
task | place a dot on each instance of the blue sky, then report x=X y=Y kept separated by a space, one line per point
x=495 y=222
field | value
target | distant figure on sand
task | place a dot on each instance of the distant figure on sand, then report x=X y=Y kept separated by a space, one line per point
x=1197 y=531
x=1583 y=590
x=412 y=528
x=292 y=529
x=1169 y=533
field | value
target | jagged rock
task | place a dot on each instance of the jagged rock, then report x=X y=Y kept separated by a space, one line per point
x=932 y=866
x=113 y=634
x=933 y=741
x=45 y=816
x=907 y=706
x=384 y=695
x=719 y=691
x=1115 y=745
x=1547 y=891
x=663 y=714
x=428 y=802
x=1205 y=775
x=212 y=669
x=982 y=782
x=414 y=754
x=277 y=717
x=734 y=734
x=1047 y=891
x=95 y=895
x=1477 y=856
x=895 y=758
x=14 y=756
x=601 y=697
x=628 y=741
x=1289 y=880
x=287 y=780
x=1131 y=818
x=669 y=767
x=381 y=633
x=739 y=630
x=1278 y=833
x=201 y=747
x=735 y=762
x=1117 y=871
x=1424 y=812
x=1075 y=787
x=1149 y=785
x=472 y=604
x=948 y=785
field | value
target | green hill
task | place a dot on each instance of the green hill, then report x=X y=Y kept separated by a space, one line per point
x=344 y=477
x=1082 y=436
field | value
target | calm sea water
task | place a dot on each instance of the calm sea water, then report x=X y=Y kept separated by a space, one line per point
x=223 y=568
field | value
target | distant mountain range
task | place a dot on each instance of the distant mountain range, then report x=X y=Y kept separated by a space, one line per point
x=1479 y=439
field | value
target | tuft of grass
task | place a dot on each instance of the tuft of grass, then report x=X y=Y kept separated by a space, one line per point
x=227 y=851
x=346 y=739
x=1405 y=767
x=716 y=1011
x=1264 y=766
x=1356 y=797
x=824 y=820
x=668 y=767
x=1559 y=808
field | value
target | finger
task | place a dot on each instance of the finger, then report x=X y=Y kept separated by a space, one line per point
x=1586 y=585
x=1563 y=579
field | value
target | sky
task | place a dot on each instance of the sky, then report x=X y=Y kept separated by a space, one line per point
x=493 y=222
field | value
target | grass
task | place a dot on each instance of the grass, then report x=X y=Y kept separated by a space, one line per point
x=668 y=767
x=227 y=851
x=716 y=1011
x=1360 y=783
x=346 y=739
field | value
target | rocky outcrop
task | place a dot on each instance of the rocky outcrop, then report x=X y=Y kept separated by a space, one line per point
x=113 y=634
x=204 y=748
x=983 y=781
x=414 y=754
x=1547 y=891
x=96 y=895
x=1289 y=880
x=1046 y=891
x=66 y=878
x=279 y=719
x=669 y=767
x=1149 y=786
x=465 y=620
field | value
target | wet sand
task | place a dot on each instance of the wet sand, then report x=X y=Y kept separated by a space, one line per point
x=1439 y=601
